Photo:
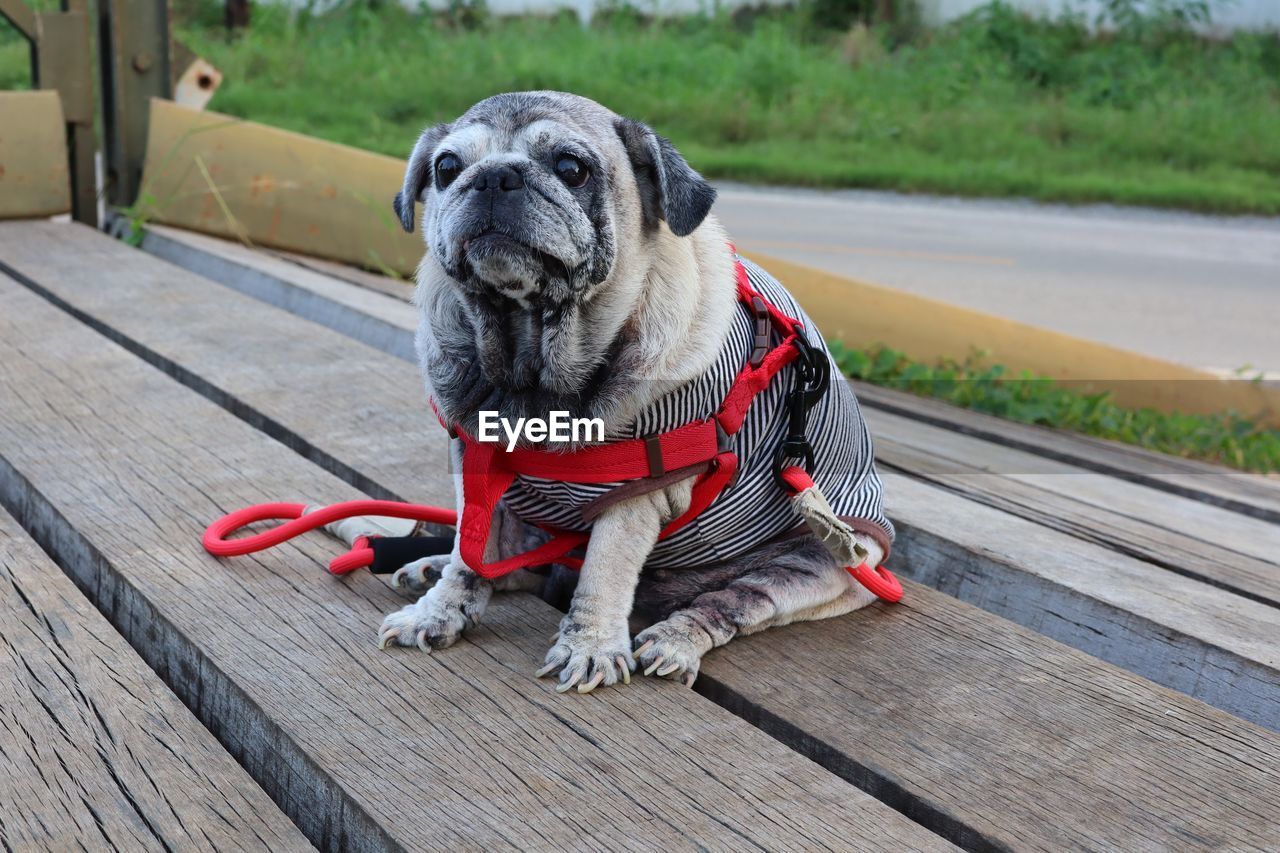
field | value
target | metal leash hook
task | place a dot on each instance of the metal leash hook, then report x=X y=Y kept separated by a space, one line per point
x=810 y=382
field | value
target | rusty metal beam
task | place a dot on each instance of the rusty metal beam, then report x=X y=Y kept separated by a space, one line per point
x=137 y=65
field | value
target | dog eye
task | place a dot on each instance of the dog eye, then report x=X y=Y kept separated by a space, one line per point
x=448 y=167
x=572 y=171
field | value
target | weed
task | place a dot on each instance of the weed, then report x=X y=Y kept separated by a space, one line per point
x=1225 y=438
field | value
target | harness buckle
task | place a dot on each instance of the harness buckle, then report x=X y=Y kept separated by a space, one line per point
x=761 y=312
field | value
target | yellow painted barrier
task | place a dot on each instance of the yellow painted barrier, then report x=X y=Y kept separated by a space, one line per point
x=270 y=187
x=35 y=177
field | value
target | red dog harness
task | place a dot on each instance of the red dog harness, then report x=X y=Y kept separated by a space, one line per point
x=488 y=469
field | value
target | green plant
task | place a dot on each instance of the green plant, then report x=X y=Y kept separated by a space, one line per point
x=1225 y=438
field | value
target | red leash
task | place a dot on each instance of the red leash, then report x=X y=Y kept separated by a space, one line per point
x=215 y=539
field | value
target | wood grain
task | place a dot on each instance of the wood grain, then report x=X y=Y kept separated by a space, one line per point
x=1250 y=494
x=95 y=752
x=118 y=468
x=357 y=412
x=985 y=731
x=1032 y=744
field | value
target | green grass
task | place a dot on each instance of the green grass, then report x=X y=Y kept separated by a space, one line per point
x=994 y=105
x=1226 y=438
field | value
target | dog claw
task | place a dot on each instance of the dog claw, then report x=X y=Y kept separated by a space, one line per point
x=636 y=654
x=688 y=678
x=657 y=663
x=565 y=686
x=546 y=670
x=386 y=638
x=422 y=642
x=668 y=669
x=592 y=684
x=626 y=670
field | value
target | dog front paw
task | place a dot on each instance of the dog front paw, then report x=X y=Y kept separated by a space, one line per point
x=588 y=657
x=435 y=621
x=420 y=575
x=672 y=649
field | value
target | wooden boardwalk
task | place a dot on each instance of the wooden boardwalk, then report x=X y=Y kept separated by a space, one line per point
x=1088 y=655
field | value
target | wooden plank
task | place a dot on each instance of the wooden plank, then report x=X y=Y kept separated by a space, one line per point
x=1036 y=745
x=1249 y=494
x=35 y=177
x=118 y=468
x=1179 y=632
x=398 y=287
x=1223 y=548
x=946 y=692
x=377 y=434
x=95 y=751
x=373 y=318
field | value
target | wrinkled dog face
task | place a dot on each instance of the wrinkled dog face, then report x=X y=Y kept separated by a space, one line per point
x=528 y=194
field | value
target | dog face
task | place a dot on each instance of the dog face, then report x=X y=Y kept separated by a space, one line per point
x=533 y=195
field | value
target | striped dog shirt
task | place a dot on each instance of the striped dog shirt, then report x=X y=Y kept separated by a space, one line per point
x=754 y=509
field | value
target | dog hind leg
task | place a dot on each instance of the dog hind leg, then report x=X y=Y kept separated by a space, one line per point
x=789 y=581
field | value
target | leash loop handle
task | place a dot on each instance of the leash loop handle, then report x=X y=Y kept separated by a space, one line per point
x=299 y=521
x=879 y=581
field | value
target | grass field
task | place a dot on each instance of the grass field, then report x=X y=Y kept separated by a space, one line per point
x=993 y=105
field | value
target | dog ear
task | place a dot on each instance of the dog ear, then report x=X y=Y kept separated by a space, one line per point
x=418 y=174
x=669 y=187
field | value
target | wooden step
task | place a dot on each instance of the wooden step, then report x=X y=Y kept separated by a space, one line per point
x=118 y=468
x=95 y=752
x=1223 y=548
x=980 y=729
x=377 y=433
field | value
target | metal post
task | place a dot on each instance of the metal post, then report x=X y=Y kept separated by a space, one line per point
x=137 y=65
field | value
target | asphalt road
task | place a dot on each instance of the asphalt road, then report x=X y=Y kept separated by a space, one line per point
x=1198 y=290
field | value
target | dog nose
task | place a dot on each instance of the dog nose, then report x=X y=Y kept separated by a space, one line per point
x=504 y=178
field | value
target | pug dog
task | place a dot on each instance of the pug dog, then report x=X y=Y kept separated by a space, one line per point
x=573 y=264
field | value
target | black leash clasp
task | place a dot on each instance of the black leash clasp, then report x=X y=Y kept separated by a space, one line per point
x=810 y=381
